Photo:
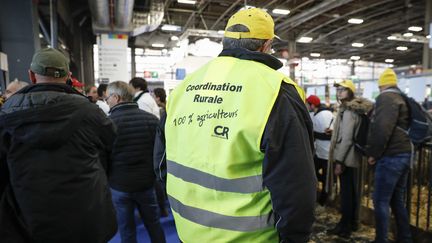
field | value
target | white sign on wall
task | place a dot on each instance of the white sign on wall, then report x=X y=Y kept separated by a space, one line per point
x=332 y=94
x=112 y=57
x=417 y=88
x=370 y=90
x=320 y=92
x=3 y=62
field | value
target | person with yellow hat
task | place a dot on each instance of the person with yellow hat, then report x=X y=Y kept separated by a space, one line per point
x=345 y=156
x=389 y=147
x=239 y=149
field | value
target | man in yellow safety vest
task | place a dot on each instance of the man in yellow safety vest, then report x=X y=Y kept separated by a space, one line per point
x=239 y=145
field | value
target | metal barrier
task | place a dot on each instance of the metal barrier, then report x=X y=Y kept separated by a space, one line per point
x=419 y=190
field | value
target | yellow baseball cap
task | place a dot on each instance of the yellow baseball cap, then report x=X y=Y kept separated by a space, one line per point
x=347 y=84
x=258 y=21
x=388 y=77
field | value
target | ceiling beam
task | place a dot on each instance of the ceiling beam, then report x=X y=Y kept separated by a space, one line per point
x=309 y=14
x=357 y=10
x=233 y=5
x=391 y=20
x=293 y=11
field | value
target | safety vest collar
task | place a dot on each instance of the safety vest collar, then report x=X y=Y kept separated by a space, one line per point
x=245 y=54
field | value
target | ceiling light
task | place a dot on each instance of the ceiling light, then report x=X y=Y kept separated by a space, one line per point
x=281 y=11
x=186 y=1
x=174 y=38
x=305 y=39
x=401 y=48
x=355 y=21
x=170 y=27
x=355 y=58
x=391 y=37
x=315 y=55
x=415 y=28
x=357 y=44
x=389 y=60
x=159 y=45
x=428 y=36
x=40 y=35
x=408 y=34
x=413 y=40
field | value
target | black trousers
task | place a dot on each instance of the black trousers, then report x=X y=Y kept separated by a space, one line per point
x=350 y=198
x=321 y=164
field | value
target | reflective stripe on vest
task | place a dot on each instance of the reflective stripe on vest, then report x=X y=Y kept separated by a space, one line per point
x=248 y=184
x=215 y=220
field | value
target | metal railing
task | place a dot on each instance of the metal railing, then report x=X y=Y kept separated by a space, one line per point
x=419 y=189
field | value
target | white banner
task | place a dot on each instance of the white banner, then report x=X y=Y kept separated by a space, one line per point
x=113 y=57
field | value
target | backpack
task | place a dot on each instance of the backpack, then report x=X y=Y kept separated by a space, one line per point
x=420 y=121
x=360 y=139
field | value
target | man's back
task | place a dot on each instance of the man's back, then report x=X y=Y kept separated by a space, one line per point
x=55 y=144
x=132 y=156
x=217 y=148
x=390 y=119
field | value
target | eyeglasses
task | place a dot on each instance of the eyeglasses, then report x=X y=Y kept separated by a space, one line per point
x=106 y=99
x=341 y=89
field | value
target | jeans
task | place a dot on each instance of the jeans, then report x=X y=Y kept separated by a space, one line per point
x=125 y=204
x=391 y=175
x=350 y=198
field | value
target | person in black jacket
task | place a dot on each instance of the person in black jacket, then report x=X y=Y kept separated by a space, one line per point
x=131 y=174
x=54 y=146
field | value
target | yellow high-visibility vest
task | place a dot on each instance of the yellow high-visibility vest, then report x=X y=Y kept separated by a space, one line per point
x=215 y=120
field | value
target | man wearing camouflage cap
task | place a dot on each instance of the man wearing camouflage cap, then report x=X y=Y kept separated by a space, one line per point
x=53 y=146
x=239 y=145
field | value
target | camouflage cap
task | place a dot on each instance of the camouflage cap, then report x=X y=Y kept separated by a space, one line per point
x=50 y=62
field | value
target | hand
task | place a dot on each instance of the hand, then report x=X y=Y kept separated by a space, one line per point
x=338 y=169
x=328 y=131
x=371 y=160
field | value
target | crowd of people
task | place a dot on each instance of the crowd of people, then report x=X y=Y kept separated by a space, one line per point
x=388 y=148
x=242 y=166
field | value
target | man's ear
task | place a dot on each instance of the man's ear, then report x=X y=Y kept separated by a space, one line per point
x=32 y=76
x=266 y=47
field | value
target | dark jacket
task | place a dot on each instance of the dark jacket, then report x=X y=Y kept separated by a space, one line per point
x=386 y=132
x=132 y=155
x=288 y=170
x=54 y=143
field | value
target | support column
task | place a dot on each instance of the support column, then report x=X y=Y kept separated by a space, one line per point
x=53 y=24
x=427 y=53
x=291 y=56
x=133 y=61
x=19 y=35
x=353 y=68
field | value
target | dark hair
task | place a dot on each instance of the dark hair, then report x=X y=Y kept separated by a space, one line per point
x=139 y=83
x=101 y=89
x=247 y=43
x=350 y=94
x=160 y=92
